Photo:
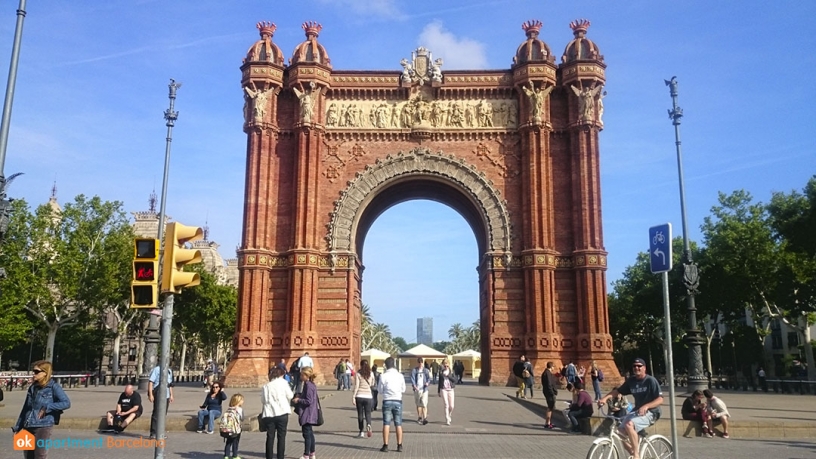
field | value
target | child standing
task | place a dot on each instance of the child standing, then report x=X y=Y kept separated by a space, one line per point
x=233 y=436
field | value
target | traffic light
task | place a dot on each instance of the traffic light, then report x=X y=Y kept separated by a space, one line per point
x=176 y=256
x=145 y=265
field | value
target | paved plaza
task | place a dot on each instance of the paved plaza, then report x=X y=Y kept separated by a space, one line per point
x=489 y=422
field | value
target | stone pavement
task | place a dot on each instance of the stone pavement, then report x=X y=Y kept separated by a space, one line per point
x=488 y=422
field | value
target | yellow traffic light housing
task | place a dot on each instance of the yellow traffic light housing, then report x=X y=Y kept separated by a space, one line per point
x=176 y=256
x=143 y=290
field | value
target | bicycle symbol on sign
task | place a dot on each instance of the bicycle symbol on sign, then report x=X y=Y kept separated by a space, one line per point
x=658 y=238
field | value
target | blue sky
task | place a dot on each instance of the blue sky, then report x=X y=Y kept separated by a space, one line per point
x=92 y=89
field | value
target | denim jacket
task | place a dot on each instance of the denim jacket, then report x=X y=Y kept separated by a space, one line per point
x=50 y=398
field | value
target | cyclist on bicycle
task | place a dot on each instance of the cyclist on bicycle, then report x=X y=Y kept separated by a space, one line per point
x=648 y=397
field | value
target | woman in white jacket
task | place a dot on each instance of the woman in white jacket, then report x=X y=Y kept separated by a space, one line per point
x=276 y=397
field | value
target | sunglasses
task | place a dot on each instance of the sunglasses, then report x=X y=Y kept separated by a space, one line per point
x=637 y=366
x=36 y=372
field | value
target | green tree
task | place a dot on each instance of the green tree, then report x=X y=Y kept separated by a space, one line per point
x=205 y=313
x=376 y=335
x=400 y=342
x=758 y=274
x=463 y=339
x=15 y=324
x=636 y=316
x=66 y=264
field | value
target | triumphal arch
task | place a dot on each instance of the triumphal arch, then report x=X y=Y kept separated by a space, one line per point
x=515 y=151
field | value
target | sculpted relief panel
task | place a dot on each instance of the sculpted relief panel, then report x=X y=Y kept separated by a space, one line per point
x=415 y=112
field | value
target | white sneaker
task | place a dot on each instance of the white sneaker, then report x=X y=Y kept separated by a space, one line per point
x=447 y=423
x=362 y=435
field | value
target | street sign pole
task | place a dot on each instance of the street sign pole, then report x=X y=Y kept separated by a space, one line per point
x=660 y=262
x=670 y=364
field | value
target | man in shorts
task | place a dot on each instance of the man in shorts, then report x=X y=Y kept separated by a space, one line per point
x=391 y=387
x=420 y=380
x=648 y=397
x=128 y=408
x=549 y=384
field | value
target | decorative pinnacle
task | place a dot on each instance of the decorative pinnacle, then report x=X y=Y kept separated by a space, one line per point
x=312 y=28
x=579 y=27
x=267 y=28
x=531 y=27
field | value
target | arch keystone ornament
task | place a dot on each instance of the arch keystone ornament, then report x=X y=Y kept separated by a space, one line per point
x=328 y=151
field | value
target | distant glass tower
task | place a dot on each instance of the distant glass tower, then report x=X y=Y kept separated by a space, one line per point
x=425 y=331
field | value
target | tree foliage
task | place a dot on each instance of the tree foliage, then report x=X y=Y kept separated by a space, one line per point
x=374 y=335
x=66 y=266
x=463 y=339
x=206 y=313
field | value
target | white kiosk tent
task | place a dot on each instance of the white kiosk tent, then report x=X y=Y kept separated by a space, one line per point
x=375 y=357
x=472 y=361
x=407 y=359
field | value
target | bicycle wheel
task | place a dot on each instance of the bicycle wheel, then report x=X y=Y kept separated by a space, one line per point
x=657 y=447
x=603 y=449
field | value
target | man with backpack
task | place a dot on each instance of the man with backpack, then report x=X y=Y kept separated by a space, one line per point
x=339 y=374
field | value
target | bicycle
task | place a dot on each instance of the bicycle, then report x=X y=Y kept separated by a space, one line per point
x=611 y=447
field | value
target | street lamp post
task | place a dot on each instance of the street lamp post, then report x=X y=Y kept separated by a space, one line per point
x=691 y=277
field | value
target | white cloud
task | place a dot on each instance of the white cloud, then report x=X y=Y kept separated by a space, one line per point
x=457 y=52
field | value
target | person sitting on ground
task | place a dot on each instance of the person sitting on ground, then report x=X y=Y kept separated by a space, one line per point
x=694 y=409
x=128 y=408
x=717 y=412
x=211 y=408
x=580 y=409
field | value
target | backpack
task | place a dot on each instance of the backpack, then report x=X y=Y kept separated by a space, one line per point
x=342 y=367
x=230 y=423
x=600 y=375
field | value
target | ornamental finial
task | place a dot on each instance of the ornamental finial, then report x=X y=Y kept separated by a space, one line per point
x=532 y=27
x=579 y=27
x=312 y=28
x=267 y=28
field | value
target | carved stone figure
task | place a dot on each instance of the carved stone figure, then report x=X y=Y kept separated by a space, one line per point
x=407 y=70
x=436 y=70
x=307 y=102
x=484 y=113
x=512 y=116
x=586 y=102
x=456 y=117
x=469 y=119
x=421 y=68
x=332 y=116
x=395 y=121
x=260 y=101
x=600 y=106
x=536 y=97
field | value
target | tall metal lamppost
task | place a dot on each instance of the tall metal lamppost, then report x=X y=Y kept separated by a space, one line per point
x=691 y=277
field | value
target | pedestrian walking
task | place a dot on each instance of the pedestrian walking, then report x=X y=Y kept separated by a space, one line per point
x=447 y=382
x=374 y=393
x=362 y=398
x=276 y=399
x=529 y=380
x=339 y=373
x=420 y=380
x=306 y=406
x=391 y=386
x=45 y=401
